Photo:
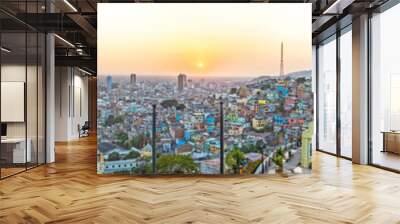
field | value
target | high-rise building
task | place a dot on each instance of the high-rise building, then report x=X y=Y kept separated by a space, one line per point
x=109 y=82
x=281 y=72
x=182 y=82
x=133 y=79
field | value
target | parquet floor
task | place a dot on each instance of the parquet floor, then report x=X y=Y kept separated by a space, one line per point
x=69 y=191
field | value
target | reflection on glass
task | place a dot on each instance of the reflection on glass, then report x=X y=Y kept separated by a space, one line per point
x=41 y=99
x=385 y=89
x=32 y=97
x=327 y=96
x=15 y=149
x=346 y=94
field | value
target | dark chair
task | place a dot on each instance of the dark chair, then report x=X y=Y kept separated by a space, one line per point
x=84 y=130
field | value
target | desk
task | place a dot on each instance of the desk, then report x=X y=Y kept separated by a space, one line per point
x=13 y=150
x=391 y=141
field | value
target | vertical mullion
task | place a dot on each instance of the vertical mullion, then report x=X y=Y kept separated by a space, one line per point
x=26 y=86
x=221 y=122
x=369 y=89
x=338 y=81
x=0 y=96
x=37 y=90
x=317 y=97
x=46 y=3
x=153 y=141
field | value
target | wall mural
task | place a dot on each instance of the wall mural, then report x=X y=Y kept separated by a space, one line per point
x=204 y=89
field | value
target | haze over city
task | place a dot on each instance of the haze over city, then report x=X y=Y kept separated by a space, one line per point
x=203 y=40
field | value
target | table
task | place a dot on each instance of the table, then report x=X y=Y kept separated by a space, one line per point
x=391 y=141
x=13 y=150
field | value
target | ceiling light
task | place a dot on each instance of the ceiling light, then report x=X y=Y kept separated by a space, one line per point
x=70 y=5
x=64 y=40
x=5 y=50
x=84 y=71
x=338 y=6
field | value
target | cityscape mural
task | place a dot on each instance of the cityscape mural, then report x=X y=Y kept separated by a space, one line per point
x=211 y=89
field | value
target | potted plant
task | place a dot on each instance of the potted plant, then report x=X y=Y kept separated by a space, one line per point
x=278 y=158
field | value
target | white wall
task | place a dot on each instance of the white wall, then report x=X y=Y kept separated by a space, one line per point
x=71 y=102
x=16 y=73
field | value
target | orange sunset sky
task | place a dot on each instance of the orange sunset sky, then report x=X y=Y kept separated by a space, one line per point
x=230 y=40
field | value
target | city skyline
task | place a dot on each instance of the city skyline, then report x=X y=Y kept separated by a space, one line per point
x=244 y=41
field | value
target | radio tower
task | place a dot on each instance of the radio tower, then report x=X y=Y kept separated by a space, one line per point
x=281 y=72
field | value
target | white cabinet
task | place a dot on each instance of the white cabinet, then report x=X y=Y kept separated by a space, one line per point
x=19 y=154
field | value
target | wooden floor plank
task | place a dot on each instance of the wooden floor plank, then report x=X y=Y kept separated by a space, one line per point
x=70 y=191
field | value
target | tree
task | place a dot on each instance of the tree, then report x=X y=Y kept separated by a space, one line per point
x=119 y=119
x=252 y=166
x=233 y=90
x=144 y=167
x=121 y=138
x=281 y=107
x=169 y=103
x=180 y=106
x=132 y=155
x=235 y=159
x=301 y=80
x=109 y=120
x=138 y=141
x=260 y=146
x=176 y=164
x=278 y=158
x=114 y=156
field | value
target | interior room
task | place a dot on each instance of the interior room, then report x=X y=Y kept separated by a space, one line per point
x=384 y=91
x=22 y=102
x=153 y=111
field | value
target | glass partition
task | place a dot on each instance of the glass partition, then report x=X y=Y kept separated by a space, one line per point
x=41 y=97
x=15 y=149
x=327 y=95
x=22 y=92
x=346 y=93
x=385 y=89
x=32 y=98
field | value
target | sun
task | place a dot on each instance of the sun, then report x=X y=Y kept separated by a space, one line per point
x=200 y=64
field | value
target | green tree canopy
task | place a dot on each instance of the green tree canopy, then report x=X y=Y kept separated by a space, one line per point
x=235 y=158
x=114 y=156
x=279 y=157
x=132 y=155
x=110 y=120
x=176 y=164
x=138 y=141
x=180 y=106
x=301 y=80
x=121 y=138
x=169 y=103
x=144 y=167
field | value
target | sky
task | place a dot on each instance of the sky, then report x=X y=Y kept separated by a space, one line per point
x=203 y=40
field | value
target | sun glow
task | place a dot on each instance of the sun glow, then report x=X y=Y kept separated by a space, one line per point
x=200 y=64
x=232 y=40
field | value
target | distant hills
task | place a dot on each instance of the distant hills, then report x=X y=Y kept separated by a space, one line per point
x=299 y=74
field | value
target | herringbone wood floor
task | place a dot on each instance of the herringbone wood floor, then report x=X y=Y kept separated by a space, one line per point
x=69 y=191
